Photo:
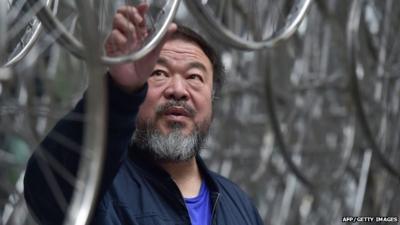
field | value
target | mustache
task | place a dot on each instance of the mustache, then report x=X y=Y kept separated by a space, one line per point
x=161 y=109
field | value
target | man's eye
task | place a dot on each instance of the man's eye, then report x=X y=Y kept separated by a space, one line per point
x=158 y=73
x=196 y=77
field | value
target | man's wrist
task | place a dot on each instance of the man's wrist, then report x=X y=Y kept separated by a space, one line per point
x=123 y=100
x=130 y=89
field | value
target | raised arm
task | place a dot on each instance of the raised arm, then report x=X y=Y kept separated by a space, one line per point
x=43 y=185
x=126 y=91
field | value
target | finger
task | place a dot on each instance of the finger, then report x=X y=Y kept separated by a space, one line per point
x=132 y=14
x=143 y=8
x=127 y=28
x=171 y=29
x=134 y=17
x=115 y=42
x=118 y=39
x=123 y=24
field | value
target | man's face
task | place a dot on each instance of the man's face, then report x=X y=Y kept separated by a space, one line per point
x=179 y=96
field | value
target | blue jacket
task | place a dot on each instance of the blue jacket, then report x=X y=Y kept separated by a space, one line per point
x=134 y=190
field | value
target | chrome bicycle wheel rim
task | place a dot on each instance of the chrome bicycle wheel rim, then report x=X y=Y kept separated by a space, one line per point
x=30 y=31
x=32 y=98
x=372 y=79
x=213 y=25
x=75 y=46
x=308 y=103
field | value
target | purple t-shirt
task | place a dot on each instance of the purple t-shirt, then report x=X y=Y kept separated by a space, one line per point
x=199 y=207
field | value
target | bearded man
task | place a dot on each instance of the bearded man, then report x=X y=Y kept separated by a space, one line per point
x=160 y=111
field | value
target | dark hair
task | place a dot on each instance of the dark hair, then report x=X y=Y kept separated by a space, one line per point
x=188 y=34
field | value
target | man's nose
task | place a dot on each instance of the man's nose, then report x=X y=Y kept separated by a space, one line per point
x=177 y=89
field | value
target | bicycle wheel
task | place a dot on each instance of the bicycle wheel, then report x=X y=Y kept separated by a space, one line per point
x=161 y=15
x=21 y=29
x=374 y=50
x=308 y=103
x=249 y=25
x=34 y=94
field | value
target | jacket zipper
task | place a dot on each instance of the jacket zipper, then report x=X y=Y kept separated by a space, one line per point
x=214 y=209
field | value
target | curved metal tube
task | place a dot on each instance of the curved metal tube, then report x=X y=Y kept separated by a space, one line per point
x=63 y=37
x=67 y=40
x=352 y=37
x=270 y=103
x=32 y=40
x=89 y=174
x=147 y=48
x=217 y=30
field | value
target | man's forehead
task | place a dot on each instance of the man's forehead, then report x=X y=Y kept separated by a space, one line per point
x=184 y=51
x=182 y=46
x=163 y=61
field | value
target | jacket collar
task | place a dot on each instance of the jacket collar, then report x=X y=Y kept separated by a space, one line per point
x=152 y=171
